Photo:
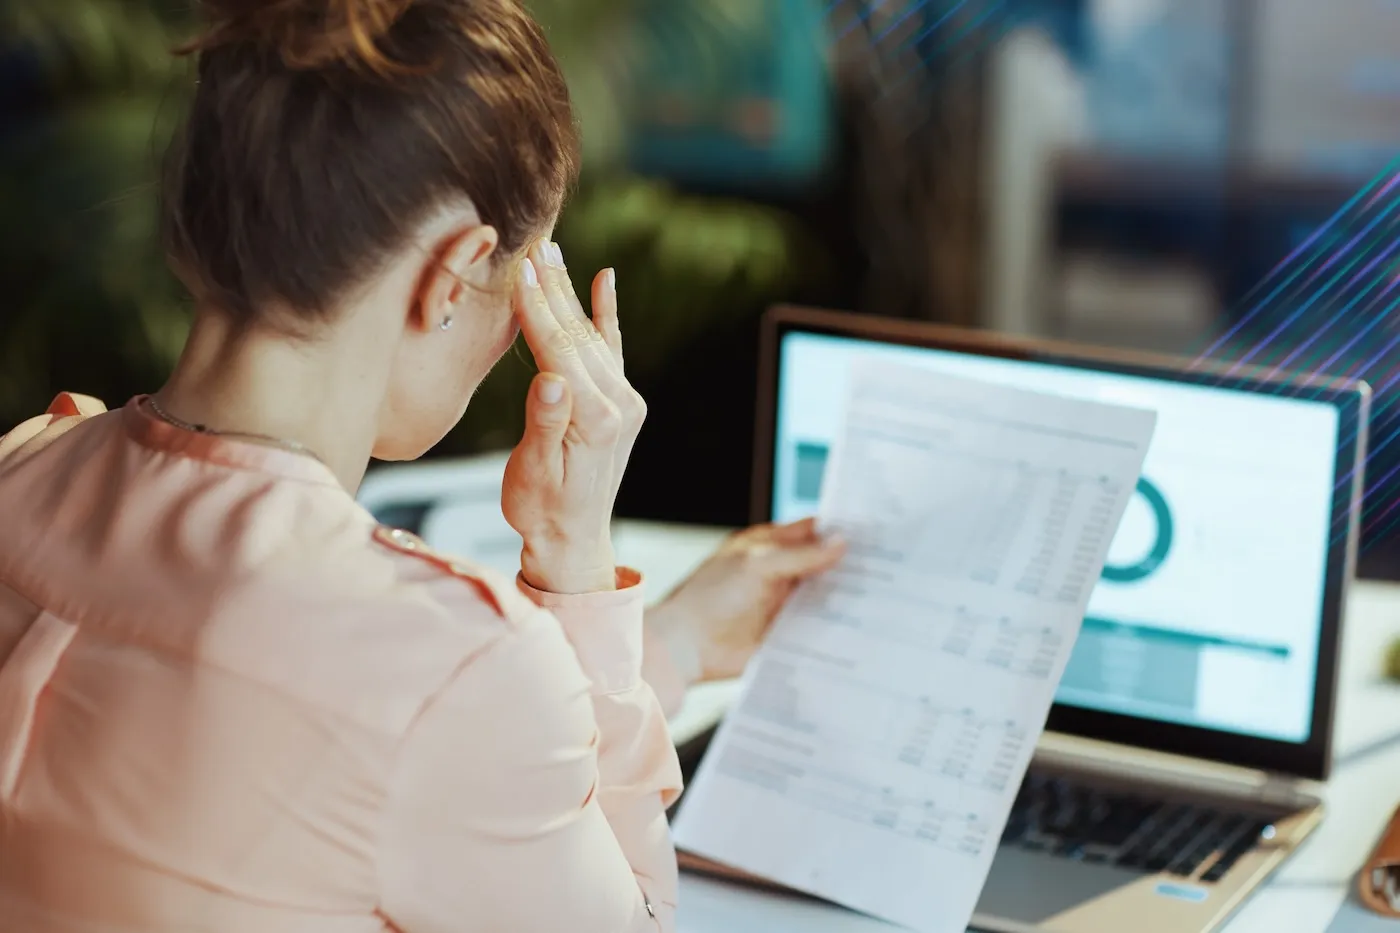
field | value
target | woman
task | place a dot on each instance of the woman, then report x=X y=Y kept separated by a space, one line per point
x=229 y=701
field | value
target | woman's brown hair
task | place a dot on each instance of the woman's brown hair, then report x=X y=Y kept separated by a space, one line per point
x=324 y=132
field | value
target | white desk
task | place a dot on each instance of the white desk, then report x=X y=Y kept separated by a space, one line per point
x=1302 y=898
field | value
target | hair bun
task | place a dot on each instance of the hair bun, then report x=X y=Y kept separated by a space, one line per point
x=305 y=34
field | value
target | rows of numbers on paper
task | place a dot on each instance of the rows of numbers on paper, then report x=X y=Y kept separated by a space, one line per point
x=1043 y=575
x=925 y=821
x=960 y=745
x=913 y=816
x=996 y=641
x=916 y=735
x=1001 y=642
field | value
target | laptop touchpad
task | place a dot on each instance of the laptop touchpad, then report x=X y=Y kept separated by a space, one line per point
x=1031 y=887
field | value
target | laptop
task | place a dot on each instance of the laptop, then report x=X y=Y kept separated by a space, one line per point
x=1194 y=719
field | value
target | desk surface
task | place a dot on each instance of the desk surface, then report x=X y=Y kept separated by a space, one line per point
x=1304 y=897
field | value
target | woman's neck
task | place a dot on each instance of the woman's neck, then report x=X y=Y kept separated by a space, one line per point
x=317 y=394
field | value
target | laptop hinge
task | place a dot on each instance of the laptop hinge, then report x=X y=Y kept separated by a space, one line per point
x=1280 y=790
x=1266 y=787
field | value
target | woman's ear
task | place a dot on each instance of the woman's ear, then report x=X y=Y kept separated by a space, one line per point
x=461 y=262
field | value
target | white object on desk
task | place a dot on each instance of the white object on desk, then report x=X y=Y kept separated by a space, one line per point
x=470 y=525
x=1368 y=704
x=665 y=554
x=896 y=703
x=465 y=520
x=432 y=480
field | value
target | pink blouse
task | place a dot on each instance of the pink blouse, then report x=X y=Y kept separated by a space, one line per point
x=229 y=702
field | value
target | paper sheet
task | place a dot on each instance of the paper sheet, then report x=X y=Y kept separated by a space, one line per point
x=884 y=728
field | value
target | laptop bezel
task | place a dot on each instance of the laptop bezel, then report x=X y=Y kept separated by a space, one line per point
x=1310 y=759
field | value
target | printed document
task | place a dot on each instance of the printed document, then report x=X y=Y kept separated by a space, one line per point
x=883 y=730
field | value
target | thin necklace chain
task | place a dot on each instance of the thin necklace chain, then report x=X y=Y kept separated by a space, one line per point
x=170 y=419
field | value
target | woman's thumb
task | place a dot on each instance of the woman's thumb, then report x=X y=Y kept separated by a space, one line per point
x=547 y=412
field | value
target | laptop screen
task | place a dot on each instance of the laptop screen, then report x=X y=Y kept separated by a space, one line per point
x=1209 y=612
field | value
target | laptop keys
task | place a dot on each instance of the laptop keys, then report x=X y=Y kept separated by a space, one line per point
x=1097 y=827
x=1122 y=819
x=1254 y=831
x=1207 y=842
x=1176 y=837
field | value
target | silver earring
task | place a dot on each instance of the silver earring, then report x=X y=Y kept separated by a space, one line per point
x=446 y=322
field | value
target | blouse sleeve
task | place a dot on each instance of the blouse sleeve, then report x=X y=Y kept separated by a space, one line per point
x=530 y=795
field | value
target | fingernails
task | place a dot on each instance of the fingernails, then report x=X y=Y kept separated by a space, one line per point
x=548 y=253
x=556 y=255
x=551 y=391
x=527 y=271
x=611 y=279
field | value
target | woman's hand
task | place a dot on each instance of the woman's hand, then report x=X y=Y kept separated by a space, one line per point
x=720 y=614
x=581 y=420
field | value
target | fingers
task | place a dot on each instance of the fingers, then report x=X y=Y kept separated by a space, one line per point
x=554 y=348
x=594 y=350
x=605 y=312
x=598 y=358
x=798 y=532
x=547 y=417
x=795 y=563
x=559 y=291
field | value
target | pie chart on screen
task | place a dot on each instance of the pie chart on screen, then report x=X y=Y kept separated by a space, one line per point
x=1148 y=529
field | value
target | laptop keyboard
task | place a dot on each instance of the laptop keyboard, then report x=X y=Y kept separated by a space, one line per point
x=1074 y=821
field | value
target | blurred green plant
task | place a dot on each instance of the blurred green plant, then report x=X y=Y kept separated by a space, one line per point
x=89 y=304
x=91 y=307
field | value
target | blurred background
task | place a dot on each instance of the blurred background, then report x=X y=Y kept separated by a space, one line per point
x=1211 y=178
